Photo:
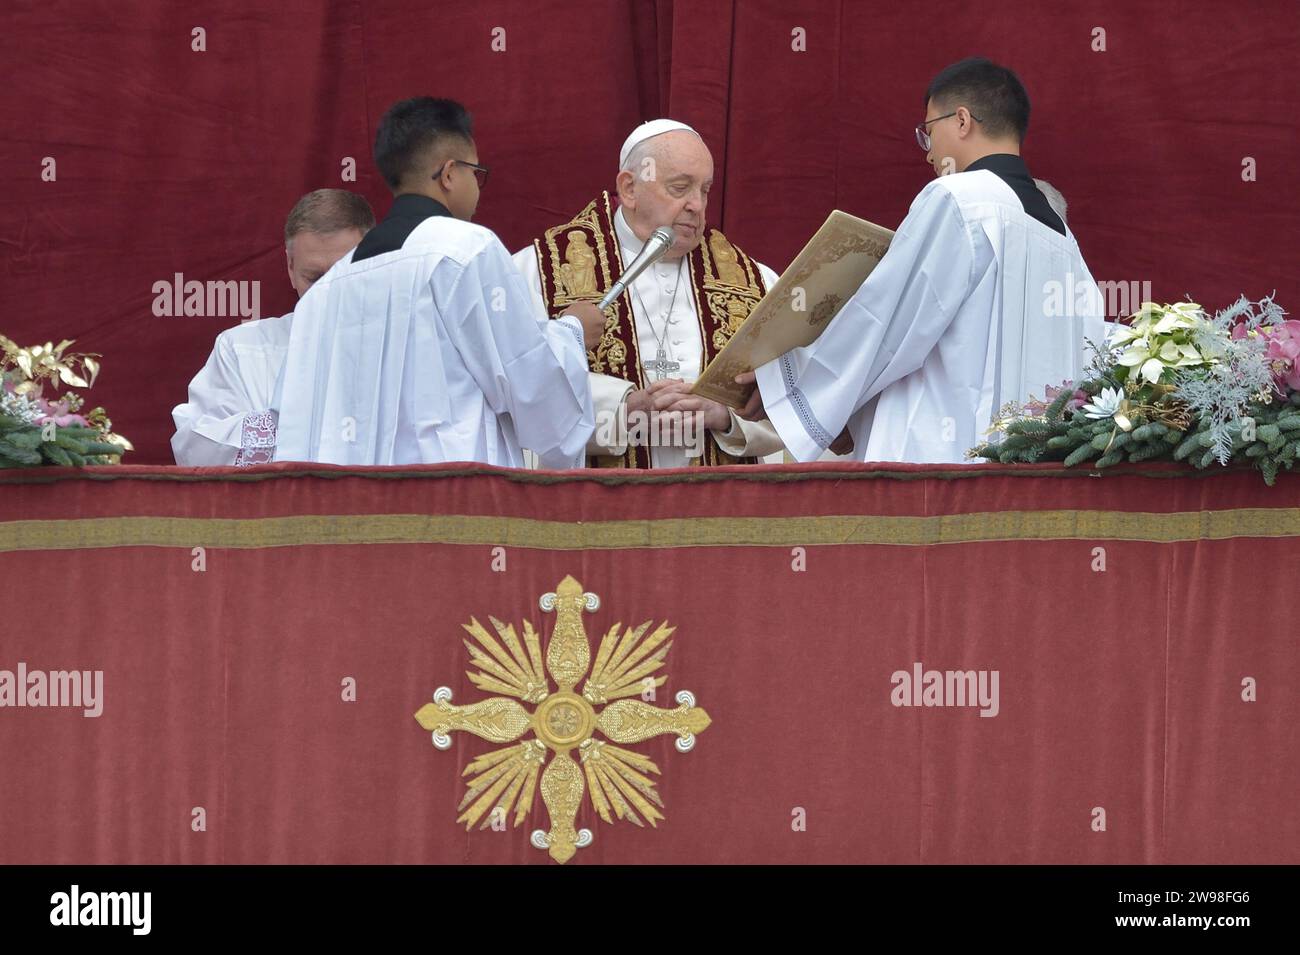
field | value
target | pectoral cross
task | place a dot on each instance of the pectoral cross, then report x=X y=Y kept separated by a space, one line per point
x=661 y=366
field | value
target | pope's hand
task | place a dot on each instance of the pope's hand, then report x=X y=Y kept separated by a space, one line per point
x=753 y=410
x=667 y=425
x=673 y=394
x=593 y=321
x=639 y=401
x=640 y=404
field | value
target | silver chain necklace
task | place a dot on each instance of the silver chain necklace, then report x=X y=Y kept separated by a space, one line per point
x=661 y=366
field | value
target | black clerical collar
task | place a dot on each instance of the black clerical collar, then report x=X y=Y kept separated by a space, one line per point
x=1001 y=164
x=1012 y=170
x=410 y=205
x=408 y=211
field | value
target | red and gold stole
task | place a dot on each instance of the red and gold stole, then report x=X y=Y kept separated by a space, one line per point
x=580 y=260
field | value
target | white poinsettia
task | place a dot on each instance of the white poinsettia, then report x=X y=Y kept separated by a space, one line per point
x=1105 y=404
x=1160 y=337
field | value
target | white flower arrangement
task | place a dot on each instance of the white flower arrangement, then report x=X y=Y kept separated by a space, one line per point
x=1161 y=337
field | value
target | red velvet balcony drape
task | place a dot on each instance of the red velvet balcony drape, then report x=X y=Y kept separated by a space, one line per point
x=1141 y=625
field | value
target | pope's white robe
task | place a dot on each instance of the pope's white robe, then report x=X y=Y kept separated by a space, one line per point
x=652 y=292
x=432 y=352
x=959 y=317
x=226 y=420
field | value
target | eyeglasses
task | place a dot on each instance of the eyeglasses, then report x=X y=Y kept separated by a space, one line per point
x=923 y=134
x=480 y=172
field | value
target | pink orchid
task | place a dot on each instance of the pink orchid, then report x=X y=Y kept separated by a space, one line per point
x=59 y=413
x=1283 y=352
x=1036 y=407
x=1078 y=400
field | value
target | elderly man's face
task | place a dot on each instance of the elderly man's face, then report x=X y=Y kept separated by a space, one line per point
x=312 y=254
x=673 y=190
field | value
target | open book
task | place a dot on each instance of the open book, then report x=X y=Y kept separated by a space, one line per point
x=831 y=267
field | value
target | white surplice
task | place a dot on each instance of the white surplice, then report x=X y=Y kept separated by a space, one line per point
x=652 y=293
x=432 y=352
x=227 y=420
x=956 y=320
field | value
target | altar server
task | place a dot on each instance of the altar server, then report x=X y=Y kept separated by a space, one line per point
x=423 y=345
x=983 y=298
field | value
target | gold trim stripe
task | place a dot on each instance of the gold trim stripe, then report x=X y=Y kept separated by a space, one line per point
x=96 y=533
x=788 y=474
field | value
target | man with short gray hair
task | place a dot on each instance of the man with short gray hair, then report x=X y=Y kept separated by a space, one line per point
x=1054 y=197
x=321 y=228
x=227 y=420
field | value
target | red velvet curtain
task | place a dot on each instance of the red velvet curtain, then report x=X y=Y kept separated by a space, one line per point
x=170 y=160
x=1122 y=614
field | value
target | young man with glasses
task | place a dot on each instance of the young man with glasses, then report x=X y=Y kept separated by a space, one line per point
x=423 y=344
x=983 y=298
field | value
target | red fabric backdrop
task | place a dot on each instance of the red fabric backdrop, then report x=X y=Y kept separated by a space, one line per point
x=170 y=160
x=1120 y=688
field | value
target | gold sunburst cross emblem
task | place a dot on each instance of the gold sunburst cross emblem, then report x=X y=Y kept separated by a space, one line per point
x=563 y=720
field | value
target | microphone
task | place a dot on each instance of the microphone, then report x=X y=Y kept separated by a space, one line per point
x=660 y=241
